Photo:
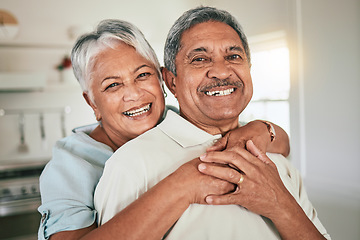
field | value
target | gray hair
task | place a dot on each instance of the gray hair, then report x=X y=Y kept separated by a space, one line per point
x=107 y=34
x=191 y=18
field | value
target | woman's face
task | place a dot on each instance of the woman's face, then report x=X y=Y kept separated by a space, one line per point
x=127 y=96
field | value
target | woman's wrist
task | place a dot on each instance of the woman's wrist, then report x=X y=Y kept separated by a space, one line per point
x=270 y=129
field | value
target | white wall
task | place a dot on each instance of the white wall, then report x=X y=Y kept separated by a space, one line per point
x=331 y=60
x=328 y=32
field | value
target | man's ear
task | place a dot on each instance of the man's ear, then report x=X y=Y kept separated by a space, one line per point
x=92 y=105
x=169 y=80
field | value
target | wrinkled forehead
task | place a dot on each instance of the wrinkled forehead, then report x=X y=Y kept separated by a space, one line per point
x=207 y=36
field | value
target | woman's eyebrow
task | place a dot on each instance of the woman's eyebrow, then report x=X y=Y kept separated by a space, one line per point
x=137 y=69
x=110 y=77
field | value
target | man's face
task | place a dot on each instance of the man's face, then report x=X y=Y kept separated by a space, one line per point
x=213 y=83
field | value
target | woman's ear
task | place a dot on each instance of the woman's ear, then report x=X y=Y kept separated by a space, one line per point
x=92 y=105
x=169 y=79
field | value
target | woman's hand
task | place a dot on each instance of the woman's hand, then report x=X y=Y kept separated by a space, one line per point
x=196 y=186
x=258 y=132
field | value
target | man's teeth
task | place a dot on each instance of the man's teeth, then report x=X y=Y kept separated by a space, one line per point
x=220 y=92
x=138 y=111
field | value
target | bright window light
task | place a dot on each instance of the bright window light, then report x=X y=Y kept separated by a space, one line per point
x=271 y=80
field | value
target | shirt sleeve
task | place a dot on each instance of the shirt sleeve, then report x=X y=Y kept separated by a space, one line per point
x=292 y=180
x=308 y=208
x=67 y=186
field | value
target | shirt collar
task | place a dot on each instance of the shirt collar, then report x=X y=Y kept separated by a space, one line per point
x=183 y=132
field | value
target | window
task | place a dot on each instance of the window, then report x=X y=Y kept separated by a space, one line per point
x=271 y=80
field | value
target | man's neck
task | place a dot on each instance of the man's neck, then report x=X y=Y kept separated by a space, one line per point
x=213 y=126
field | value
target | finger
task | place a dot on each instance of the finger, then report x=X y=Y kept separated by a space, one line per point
x=256 y=152
x=222 y=172
x=219 y=144
x=251 y=154
x=227 y=199
x=230 y=158
x=234 y=140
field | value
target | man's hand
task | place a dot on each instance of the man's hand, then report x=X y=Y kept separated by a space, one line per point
x=261 y=190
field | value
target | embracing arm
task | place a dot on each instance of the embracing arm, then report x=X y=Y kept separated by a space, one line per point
x=151 y=215
x=281 y=143
x=259 y=132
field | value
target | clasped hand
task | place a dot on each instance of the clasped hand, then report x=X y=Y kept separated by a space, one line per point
x=260 y=190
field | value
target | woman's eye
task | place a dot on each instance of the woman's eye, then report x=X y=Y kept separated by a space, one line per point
x=143 y=75
x=112 y=85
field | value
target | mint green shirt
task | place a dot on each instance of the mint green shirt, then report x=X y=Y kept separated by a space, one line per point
x=68 y=182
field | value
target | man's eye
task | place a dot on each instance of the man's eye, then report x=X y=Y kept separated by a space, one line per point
x=234 y=57
x=199 y=60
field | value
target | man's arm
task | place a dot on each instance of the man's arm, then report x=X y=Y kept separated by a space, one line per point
x=261 y=190
x=260 y=134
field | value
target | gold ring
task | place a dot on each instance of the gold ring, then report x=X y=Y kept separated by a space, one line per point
x=241 y=179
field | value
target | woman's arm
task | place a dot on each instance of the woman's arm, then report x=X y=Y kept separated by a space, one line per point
x=150 y=216
x=266 y=139
x=165 y=202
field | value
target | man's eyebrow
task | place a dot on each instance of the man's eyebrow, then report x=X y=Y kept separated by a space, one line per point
x=196 y=50
x=236 y=48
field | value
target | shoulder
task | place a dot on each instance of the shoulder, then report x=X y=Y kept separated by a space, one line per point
x=282 y=163
x=80 y=146
x=75 y=158
x=288 y=173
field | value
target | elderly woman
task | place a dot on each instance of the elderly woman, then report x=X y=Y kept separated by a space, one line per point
x=120 y=77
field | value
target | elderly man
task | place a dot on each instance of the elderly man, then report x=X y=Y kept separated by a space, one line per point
x=207 y=64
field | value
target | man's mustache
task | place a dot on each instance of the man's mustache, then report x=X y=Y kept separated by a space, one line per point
x=220 y=83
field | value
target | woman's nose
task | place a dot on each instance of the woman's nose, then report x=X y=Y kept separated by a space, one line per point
x=219 y=70
x=133 y=93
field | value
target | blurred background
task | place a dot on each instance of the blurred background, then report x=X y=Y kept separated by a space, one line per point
x=306 y=74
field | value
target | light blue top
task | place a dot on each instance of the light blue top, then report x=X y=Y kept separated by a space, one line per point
x=68 y=182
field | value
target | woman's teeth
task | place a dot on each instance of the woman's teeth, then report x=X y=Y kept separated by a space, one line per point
x=220 y=92
x=139 y=111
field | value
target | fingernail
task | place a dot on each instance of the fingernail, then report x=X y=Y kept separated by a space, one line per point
x=202 y=166
x=203 y=156
x=209 y=200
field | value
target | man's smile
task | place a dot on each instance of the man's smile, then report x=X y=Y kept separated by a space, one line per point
x=219 y=93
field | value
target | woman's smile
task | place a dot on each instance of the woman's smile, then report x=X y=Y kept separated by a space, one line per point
x=138 y=111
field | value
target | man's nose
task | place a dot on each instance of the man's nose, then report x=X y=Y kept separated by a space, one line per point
x=219 y=70
x=133 y=92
